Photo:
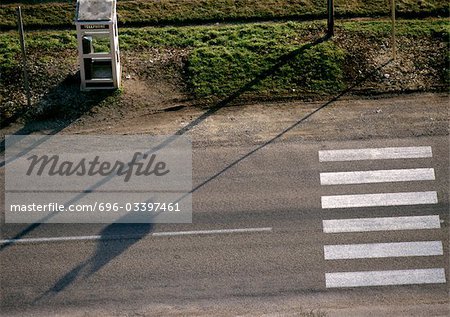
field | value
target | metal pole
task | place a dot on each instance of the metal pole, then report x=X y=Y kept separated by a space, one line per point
x=394 y=45
x=24 y=56
x=330 y=22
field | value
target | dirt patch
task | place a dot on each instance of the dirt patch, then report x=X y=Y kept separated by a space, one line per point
x=154 y=79
x=419 y=63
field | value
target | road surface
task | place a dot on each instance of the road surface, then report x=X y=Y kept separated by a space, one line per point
x=344 y=228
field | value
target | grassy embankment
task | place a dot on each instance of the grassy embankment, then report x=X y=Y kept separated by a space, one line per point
x=224 y=57
x=60 y=13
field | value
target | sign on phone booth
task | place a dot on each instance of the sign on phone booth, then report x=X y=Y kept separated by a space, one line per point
x=98 y=44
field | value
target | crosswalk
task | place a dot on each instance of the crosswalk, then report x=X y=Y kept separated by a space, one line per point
x=381 y=224
x=383 y=278
x=386 y=249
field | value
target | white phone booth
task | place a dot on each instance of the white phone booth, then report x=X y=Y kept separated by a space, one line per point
x=98 y=44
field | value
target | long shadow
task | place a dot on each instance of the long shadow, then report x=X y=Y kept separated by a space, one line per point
x=283 y=60
x=126 y=235
x=358 y=82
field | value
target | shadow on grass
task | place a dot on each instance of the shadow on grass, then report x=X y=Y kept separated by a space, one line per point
x=59 y=108
x=282 y=61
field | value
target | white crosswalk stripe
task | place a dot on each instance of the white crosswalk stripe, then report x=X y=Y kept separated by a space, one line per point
x=375 y=154
x=380 y=278
x=382 y=250
x=381 y=176
x=384 y=199
x=386 y=249
x=381 y=224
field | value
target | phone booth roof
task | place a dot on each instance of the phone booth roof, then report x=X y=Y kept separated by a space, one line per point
x=95 y=10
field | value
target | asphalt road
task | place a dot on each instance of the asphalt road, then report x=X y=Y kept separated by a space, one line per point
x=286 y=265
x=276 y=189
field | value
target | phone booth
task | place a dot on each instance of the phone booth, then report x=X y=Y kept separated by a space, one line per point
x=98 y=44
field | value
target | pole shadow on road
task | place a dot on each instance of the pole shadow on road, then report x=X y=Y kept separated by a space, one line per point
x=291 y=127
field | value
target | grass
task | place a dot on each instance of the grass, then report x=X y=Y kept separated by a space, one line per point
x=221 y=71
x=411 y=28
x=224 y=58
x=53 y=13
x=35 y=41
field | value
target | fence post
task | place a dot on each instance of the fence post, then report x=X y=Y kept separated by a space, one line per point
x=330 y=21
x=394 y=45
x=24 y=56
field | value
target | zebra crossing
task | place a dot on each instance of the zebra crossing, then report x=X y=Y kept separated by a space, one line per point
x=379 y=224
